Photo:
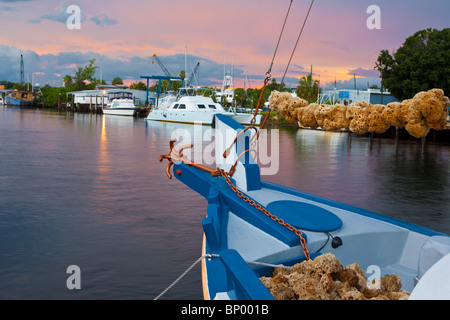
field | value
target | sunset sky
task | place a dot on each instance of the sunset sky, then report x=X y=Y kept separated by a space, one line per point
x=236 y=34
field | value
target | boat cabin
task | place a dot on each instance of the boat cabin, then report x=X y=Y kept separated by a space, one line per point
x=196 y=103
x=22 y=95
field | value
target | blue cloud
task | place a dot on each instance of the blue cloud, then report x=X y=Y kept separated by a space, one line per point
x=60 y=16
x=103 y=20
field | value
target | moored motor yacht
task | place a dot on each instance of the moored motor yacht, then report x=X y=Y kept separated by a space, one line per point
x=190 y=107
x=121 y=107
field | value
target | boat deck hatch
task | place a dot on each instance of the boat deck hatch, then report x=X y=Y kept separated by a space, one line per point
x=305 y=216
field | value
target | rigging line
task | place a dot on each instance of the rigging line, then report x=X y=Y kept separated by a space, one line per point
x=269 y=73
x=279 y=38
x=295 y=47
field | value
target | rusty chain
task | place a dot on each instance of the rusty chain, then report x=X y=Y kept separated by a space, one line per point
x=266 y=212
x=174 y=156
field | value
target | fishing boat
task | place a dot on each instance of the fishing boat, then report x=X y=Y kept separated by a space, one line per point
x=121 y=107
x=227 y=91
x=191 y=107
x=252 y=225
x=19 y=98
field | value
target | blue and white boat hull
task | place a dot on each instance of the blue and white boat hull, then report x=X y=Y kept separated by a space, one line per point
x=17 y=102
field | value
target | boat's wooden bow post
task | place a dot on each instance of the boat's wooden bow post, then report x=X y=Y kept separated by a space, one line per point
x=177 y=156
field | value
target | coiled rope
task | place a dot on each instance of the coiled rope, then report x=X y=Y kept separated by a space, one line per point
x=209 y=256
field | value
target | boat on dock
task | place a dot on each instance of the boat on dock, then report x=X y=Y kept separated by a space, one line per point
x=121 y=105
x=252 y=225
x=191 y=107
x=20 y=98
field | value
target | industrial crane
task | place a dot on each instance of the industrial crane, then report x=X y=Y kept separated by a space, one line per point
x=193 y=75
x=163 y=66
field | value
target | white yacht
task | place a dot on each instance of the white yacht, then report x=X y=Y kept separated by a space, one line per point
x=121 y=107
x=189 y=107
x=120 y=104
x=2 y=102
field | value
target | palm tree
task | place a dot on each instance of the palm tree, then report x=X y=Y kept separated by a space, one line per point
x=308 y=88
x=67 y=80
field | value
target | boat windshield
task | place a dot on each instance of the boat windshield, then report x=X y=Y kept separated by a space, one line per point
x=120 y=95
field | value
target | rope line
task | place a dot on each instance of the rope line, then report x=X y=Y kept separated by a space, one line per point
x=300 y=34
x=279 y=38
x=269 y=75
x=209 y=256
x=185 y=273
x=267 y=264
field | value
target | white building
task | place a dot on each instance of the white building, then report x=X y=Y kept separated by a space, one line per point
x=103 y=95
x=372 y=96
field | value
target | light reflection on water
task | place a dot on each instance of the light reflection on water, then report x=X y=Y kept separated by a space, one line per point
x=89 y=190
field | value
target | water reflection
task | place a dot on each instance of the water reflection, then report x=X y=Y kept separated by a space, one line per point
x=104 y=162
x=400 y=178
x=89 y=190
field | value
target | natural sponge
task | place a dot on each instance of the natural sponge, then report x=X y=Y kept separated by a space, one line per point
x=432 y=105
x=357 y=115
x=416 y=123
x=395 y=114
x=428 y=109
x=375 y=119
x=325 y=278
x=286 y=105
x=308 y=118
x=336 y=119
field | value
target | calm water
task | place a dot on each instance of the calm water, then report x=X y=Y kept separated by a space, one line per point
x=88 y=190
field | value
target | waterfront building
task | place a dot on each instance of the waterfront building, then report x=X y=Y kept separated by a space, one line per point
x=103 y=94
x=346 y=97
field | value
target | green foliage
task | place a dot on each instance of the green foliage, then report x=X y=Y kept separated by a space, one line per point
x=308 y=88
x=254 y=94
x=51 y=95
x=8 y=84
x=138 y=86
x=22 y=87
x=117 y=80
x=85 y=74
x=68 y=80
x=420 y=64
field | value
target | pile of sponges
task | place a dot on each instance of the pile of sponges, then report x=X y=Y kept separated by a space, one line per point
x=325 y=278
x=287 y=106
x=428 y=109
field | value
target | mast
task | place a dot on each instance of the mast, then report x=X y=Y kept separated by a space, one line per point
x=185 y=65
x=22 y=69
